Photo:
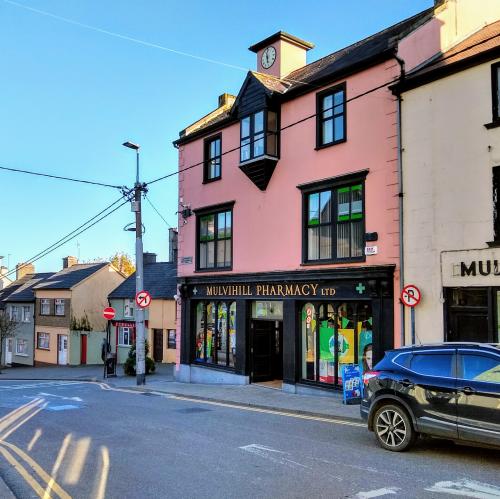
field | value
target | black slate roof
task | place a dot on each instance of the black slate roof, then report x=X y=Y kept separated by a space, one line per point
x=160 y=280
x=67 y=278
x=22 y=289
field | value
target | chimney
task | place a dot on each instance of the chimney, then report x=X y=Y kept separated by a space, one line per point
x=173 y=235
x=226 y=100
x=148 y=258
x=69 y=261
x=280 y=54
x=3 y=270
x=24 y=268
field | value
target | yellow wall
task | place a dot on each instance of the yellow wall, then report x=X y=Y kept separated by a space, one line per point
x=91 y=296
x=49 y=356
x=53 y=293
x=162 y=316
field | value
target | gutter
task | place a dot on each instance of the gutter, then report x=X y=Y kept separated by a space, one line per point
x=402 y=75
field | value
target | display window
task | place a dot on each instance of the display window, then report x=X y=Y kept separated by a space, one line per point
x=335 y=334
x=215 y=334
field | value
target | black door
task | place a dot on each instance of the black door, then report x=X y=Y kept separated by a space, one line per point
x=478 y=387
x=262 y=350
x=158 y=345
x=428 y=385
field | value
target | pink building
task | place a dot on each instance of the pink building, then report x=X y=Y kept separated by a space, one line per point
x=289 y=231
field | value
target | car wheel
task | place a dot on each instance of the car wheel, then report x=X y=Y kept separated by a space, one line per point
x=393 y=428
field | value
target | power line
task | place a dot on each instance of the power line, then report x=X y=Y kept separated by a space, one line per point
x=302 y=120
x=159 y=214
x=49 y=175
x=76 y=232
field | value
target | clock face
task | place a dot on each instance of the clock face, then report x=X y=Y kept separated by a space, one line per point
x=268 y=57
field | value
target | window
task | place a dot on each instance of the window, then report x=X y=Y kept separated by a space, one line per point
x=335 y=224
x=59 y=308
x=126 y=336
x=335 y=334
x=432 y=364
x=128 y=308
x=215 y=341
x=14 y=313
x=171 y=343
x=25 y=317
x=44 y=306
x=259 y=135
x=43 y=341
x=330 y=116
x=21 y=347
x=213 y=158
x=495 y=91
x=215 y=240
x=480 y=368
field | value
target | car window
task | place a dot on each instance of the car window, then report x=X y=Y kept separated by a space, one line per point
x=481 y=368
x=432 y=364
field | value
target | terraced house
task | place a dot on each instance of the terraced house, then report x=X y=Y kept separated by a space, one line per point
x=69 y=326
x=289 y=235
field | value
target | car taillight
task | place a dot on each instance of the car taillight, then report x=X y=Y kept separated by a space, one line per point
x=369 y=375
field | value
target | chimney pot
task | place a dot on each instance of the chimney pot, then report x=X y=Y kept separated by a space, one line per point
x=69 y=261
x=148 y=258
x=24 y=268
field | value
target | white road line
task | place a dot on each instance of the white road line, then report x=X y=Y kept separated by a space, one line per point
x=466 y=488
x=40 y=385
x=377 y=493
x=273 y=455
x=75 y=399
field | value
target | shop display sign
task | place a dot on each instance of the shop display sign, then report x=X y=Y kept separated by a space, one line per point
x=351 y=383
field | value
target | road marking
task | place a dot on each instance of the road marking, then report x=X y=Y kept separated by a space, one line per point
x=274 y=455
x=22 y=471
x=25 y=420
x=377 y=493
x=40 y=385
x=75 y=399
x=36 y=436
x=103 y=480
x=57 y=464
x=466 y=488
x=66 y=407
x=74 y=469
x=271 y=411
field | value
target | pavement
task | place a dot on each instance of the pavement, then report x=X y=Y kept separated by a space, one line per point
x=163 y=381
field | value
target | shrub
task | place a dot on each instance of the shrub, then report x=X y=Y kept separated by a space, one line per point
x=129 y=365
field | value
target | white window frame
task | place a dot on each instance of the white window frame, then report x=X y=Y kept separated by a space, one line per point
x=25 y=313
x=14 y=316
x=46 y=336
x=58 y=302
x=122 y=330
x=44 y=302
x=25 y=343
x=128 y=308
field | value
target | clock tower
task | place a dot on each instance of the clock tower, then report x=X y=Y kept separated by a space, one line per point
x=280 y=54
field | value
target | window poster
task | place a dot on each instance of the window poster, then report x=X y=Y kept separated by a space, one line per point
x=365 y=347
x=326 y=352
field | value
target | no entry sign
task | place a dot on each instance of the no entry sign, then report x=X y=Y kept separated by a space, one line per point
x=143 y=299
x=411 y=295
x=108 y=313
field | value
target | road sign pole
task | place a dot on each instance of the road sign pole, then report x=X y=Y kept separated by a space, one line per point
x=412 y=317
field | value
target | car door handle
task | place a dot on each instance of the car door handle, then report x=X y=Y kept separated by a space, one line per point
x=468 y=390
x=406 y=382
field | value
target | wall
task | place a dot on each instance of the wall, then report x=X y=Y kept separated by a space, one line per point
x=91 y=296
x=162 y=316
x=25 y=331
x=52 y=319
x=94 y=343
x=448 y=159
x=49 y=356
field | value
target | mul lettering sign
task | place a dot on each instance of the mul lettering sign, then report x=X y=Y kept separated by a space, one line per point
x=479 y=267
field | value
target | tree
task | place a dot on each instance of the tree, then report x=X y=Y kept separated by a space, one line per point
x=123 y=263
x=8 y=328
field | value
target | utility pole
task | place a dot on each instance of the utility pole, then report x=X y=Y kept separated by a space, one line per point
x=140 y=337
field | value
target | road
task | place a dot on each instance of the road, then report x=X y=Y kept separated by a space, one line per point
x=81 y=440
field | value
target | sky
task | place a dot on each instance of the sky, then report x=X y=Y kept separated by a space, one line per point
x=71 y=95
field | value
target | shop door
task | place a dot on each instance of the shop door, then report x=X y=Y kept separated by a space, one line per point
x=8 y=350
x=83 y=349
x=262 y=350
x=62 y=354
x=158 y=345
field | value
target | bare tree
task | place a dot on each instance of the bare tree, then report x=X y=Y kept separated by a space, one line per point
x=8 y=328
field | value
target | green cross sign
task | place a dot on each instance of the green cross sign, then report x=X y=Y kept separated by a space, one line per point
x=360 y=288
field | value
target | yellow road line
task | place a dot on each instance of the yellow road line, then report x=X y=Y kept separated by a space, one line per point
x=25 y=420
x=22 y=471
x=14 y=416
x=271 y=411
x=37 y=469
x=103 y=480
x=57 y=464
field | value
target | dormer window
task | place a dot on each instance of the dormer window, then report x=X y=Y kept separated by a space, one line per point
x=259 y=135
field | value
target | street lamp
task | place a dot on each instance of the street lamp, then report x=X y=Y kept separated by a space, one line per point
x=140 y=351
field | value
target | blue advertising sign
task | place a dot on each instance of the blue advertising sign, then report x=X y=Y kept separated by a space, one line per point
x=351 y=383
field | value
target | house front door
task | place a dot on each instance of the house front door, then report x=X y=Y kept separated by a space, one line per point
x=62 y=354
x=158 y=345
x=9 y=342
x=83 y=349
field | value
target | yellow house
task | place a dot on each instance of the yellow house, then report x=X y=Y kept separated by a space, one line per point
x=69 y=326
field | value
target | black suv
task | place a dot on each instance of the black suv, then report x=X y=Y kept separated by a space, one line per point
x=450 y=390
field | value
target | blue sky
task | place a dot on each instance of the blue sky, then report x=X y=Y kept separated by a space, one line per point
x=70 y=96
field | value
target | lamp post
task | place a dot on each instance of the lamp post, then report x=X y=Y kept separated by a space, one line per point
x=140 y=351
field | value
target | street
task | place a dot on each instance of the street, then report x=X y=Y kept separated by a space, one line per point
x=87 y=440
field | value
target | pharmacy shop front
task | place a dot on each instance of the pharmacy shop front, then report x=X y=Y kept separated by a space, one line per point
x=294 y=330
